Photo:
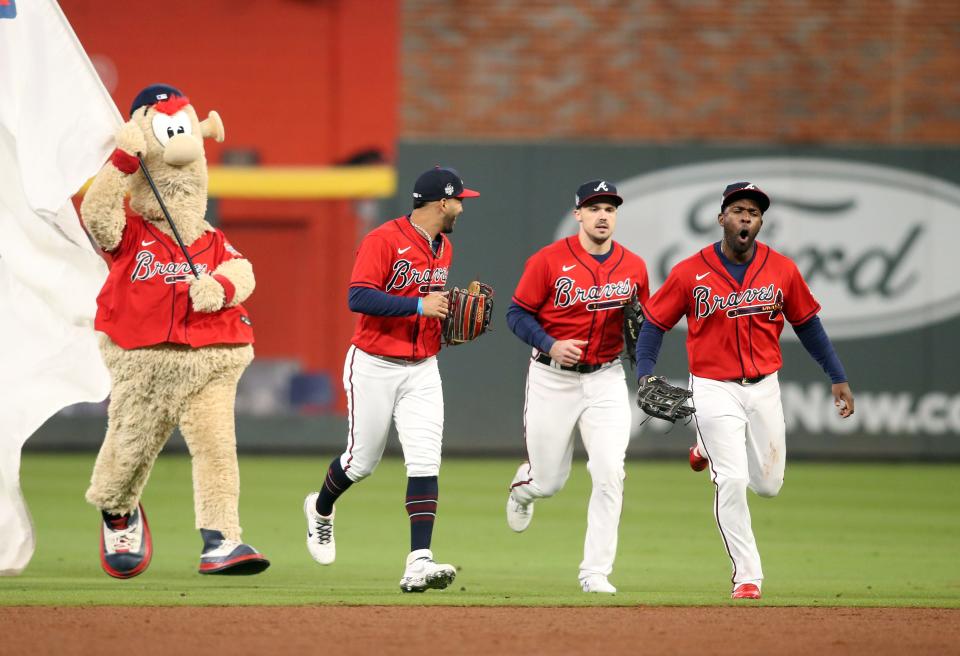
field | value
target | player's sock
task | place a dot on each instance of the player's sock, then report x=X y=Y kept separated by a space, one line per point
x=335 y=484
x=422 y=492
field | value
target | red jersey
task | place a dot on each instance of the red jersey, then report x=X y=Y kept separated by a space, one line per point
x=146 y=298
x=733 y=329
x=395 y=258
x=575 y=297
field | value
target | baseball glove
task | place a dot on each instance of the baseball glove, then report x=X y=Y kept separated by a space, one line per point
x=632 y=322
x=469 y=313
x=660 y=399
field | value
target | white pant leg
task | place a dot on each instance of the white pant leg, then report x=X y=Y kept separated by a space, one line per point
x=419 y=418
x=766 y=437
x=371 y=385
x=722 y=426
x=553 y=404
x=605 y=428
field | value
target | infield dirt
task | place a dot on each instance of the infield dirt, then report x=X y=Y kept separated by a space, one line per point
x=387 y=630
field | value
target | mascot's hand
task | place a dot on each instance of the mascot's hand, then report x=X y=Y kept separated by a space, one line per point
x=206 y=293
x=130 y=139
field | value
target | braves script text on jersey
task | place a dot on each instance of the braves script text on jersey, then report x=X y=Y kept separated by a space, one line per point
x=146 y=297
x=573 y=296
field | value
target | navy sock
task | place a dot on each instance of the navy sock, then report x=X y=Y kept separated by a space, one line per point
x=335 y=484
x=422 y=492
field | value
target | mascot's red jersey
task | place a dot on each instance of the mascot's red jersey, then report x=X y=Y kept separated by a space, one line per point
x=396 y=259
x=146 y=298
x=733 y=330
x=575 y=297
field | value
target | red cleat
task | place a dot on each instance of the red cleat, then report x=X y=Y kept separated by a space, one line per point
x=697 y=462
x=746 y=591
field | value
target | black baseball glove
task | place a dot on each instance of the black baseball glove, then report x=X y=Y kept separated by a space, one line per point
x=469 y=313
x=660 y=399
x=632 y=322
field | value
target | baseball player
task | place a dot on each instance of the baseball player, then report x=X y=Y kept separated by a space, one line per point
x=736 y=294
x=391 y=374
x=568 y=306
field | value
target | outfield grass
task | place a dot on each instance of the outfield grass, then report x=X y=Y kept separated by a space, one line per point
x=838 y=535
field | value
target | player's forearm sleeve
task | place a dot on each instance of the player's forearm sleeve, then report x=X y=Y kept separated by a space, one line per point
x=814 y=339
x=648 y=348
x=381 y=304
x=525 y=326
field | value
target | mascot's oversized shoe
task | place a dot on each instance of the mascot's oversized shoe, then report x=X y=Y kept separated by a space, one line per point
x=125 y=545
x=222 y=556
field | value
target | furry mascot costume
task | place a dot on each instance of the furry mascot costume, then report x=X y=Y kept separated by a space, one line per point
x=175 y=344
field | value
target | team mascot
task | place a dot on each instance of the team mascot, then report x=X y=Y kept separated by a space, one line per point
x=175 y=343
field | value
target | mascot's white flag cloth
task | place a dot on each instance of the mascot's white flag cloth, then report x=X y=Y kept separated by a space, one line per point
x=56 y=127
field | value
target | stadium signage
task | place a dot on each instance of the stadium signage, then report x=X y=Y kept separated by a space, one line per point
x=876 y=244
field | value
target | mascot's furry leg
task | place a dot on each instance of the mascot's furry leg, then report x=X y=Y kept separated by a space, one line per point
x=140 y=421
x=141 y=418
x=208 y=428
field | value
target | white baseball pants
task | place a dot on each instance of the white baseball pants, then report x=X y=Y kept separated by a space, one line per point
x=741 y=431
x=598 y=403
x=379 y=392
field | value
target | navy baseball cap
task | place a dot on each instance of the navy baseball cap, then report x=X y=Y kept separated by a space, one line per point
x=745 y=190
x=440 y=183
x=595 y=189
x=154 y=94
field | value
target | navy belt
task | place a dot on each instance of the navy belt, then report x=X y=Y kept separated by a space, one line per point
x=543 y=358
x=406 y=362
x=748 y=381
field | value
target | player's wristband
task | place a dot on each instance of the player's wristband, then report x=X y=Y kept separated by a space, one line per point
x=124 y=161
x=420 y=305
x=229 y=291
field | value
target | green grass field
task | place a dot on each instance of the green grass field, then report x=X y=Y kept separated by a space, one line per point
x=838 y=535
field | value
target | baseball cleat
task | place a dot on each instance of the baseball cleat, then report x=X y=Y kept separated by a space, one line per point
x=125 y=545
x=422 y=573
x=746 y=591
x=229 y=557
x=597 y=583
x=697 y=462
x=518 y=514
x=320 y=542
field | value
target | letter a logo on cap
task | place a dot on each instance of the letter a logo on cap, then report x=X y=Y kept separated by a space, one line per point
x=601 y=186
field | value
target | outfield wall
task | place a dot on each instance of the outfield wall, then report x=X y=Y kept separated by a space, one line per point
x=874 y=231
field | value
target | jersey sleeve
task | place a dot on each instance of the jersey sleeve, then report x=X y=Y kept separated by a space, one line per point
x=372 y=266
x=799 y=304
x=531 y=291
x=668 y=305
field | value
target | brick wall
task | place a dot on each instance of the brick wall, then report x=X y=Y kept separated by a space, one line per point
x=760 y=71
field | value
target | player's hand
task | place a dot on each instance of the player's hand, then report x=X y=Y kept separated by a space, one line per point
x=567 y=351
x=435 y=305
x=843 y=398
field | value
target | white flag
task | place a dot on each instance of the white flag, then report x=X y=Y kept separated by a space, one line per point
x=56 y=131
